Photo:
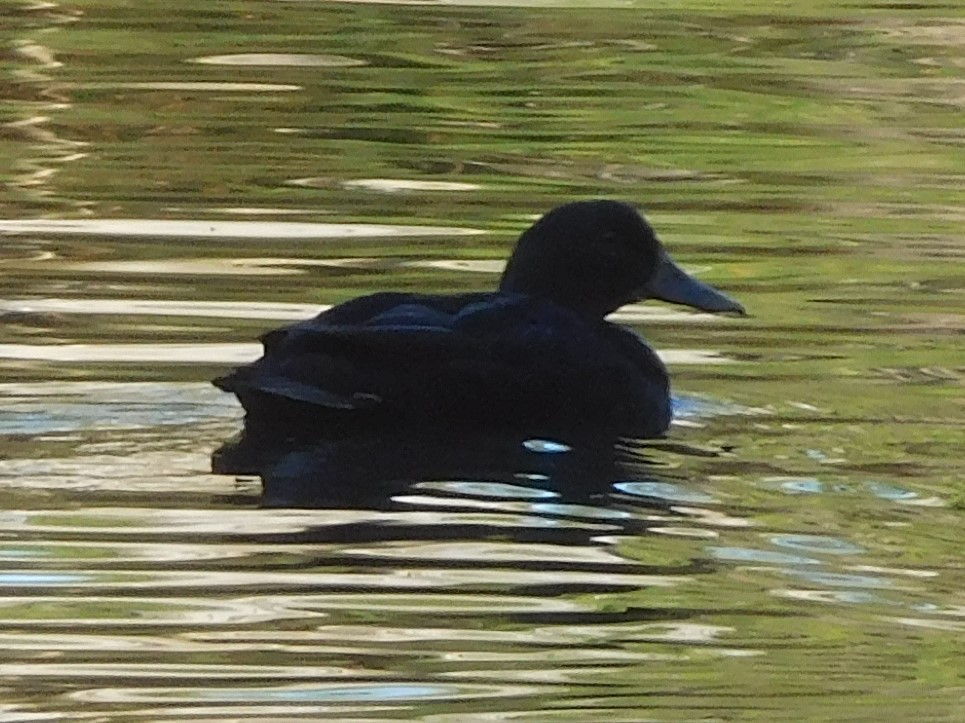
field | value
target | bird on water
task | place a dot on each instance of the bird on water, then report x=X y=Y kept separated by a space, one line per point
x=537 y=355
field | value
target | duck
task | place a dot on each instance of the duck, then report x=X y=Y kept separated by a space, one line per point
x=537 y=355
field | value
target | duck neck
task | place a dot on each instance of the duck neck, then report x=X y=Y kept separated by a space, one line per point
x=579 y=301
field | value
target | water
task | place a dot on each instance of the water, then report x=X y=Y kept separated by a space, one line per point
x=180 y=180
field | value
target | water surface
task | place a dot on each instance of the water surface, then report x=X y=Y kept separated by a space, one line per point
x=178 y=182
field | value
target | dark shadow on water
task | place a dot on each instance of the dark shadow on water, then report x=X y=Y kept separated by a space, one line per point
x=369 y=471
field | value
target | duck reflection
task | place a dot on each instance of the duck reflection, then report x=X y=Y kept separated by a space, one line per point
x=369 y=470
x=537 y=353
x=352 y=402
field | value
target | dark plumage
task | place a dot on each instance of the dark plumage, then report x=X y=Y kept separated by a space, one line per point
x=536 y=356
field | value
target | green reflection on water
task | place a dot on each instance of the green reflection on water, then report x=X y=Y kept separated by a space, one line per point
x=808 y=159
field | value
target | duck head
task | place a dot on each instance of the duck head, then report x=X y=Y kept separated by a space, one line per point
x=595 y=256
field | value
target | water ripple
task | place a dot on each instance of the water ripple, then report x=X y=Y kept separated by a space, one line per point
x=297 y=695
x=215 y=229
x=309 y=60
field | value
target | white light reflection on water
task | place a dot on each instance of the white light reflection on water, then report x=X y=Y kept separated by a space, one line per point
x=401 y=185
x=634 y=313
x=476 y=266
x=712 y=518
x=583 y=512
x=743 y=554
x=199 y=86
x=680 y=531
x=47 y=407
x=850 y=597
x=140 y=471
x=486 y=489
x=89 y=611
x=546 y=446
x=664 y=491
x=296 y=695
x=840 y=579
x=187 y=671
x=226 y=353
x=72 y=554
x=516 y=507
x=145 y=307
x=307 y=60
x=216 y=229
x=501 y=552
x=85 y=643
x=452 y=606
x=126 y=522
x=952 y=626
x=101 y=582
x=816 y=543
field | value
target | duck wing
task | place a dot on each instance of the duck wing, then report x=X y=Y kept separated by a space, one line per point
x=357 y=354
x=493 y=357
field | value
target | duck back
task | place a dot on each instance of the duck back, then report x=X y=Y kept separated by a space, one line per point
x=503 y=360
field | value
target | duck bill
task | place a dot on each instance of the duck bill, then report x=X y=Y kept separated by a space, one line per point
x=671 y=283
